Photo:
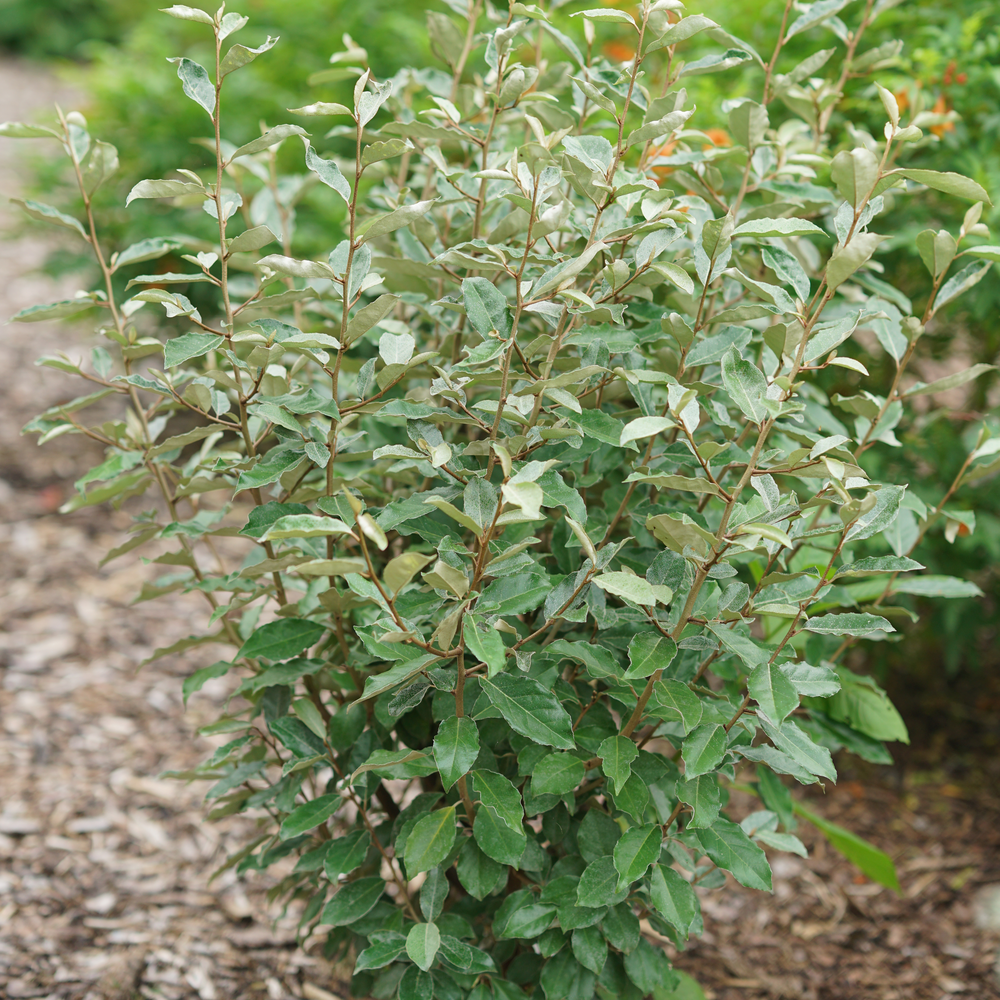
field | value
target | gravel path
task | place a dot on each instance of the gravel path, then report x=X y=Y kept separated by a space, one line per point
x=105 y=868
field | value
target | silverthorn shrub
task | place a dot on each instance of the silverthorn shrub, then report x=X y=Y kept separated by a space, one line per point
x=550 y=536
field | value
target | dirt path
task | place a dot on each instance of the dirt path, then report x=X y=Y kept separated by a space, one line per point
x=104 y=868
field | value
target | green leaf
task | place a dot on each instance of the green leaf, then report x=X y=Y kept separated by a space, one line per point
x=456 y=747
x=381 y=952
x=599 y=14
x=282 y=674
x=100 y=164
x=557 y=774
x=617 y=754
x=633 y=798
x=304 y=526
x=649 y=652
x=769 y=228
x=947 y=182
x=199 y=678
x=773 y=691
x=590 y=948
x=416 y=985
x=250 y=240
x=531 y=710
x=282 y=639
x=819 y=682
x=477 y=871
x=748 y=123
x=675 y=701
x=745 y=384
x=937 y=586
x=378 y=151
x=817 y=13
x=20 y=130
x=465 y=957
x=297 y=737
x=848 y=624
x=627 y=586
x=704 y=797
x=345 y=854
x=991 y=253
x=876 y=864
x=402 y=763
x=864 y=706
x=599 y=884
x=46 y=213
x=675 y=900
x=789 y=738
x=422 y=944
x=497 y=792
x=496 y=839
x=144 y=250
x=644 y=427
x=296 y=268
x=635 y=852
x=965 y=279
x=196 y=84
x=395 y=220
x=187 y=13
x=365 y=318
x=485 y=643
x=950 y=381
x=239 y=55
x=703 y=750
x=308 y=816
x=54 y=310
x=433 y=893
x=658 y=128
x=649 y=968
x=730 y=848
x=845 y=260
x=937 y=250
x=855 y=172
x=329 y=173
x=177 y=350
x=352 y=902
x=158 y=189
x=872 y=565
x=430 y=841
x=562 y=978
x=521 y=916
x=486 y=308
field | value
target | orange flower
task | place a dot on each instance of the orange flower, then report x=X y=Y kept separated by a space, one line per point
x=618 y=51
x=665 y=150
x=902 y=99
x=941 y=108
x=719 y=137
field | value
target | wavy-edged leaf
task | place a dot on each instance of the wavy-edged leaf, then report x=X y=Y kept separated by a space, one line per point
x=531 y=710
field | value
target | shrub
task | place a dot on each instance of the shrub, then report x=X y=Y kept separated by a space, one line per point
x=550 y=532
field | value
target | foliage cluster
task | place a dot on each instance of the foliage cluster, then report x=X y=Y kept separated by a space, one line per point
x=550 y=532
x=947 y=71
x=46 y=28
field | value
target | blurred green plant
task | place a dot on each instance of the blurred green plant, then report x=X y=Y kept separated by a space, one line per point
x=61 y=28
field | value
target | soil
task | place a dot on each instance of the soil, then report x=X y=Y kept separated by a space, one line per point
x=105 y=868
